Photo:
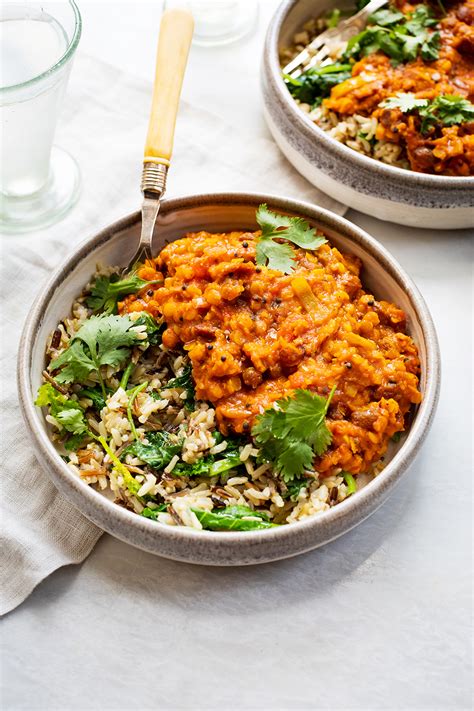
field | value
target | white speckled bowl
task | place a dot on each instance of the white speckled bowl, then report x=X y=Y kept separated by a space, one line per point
x=231 y=211
x=386 y=192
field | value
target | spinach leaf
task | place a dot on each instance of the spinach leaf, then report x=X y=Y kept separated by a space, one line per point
x=153 y=513
x=157 y=451
x=94 y=394
x=185 y=381
x=316 y=84
x=233 y=518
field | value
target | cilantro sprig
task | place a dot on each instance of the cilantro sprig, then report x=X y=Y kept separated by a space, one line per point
x=101 y=340
x=278 y=255
x=445 y=109
x=67 y=413
x=293 y=435
x=108 y=290
x=401 y=37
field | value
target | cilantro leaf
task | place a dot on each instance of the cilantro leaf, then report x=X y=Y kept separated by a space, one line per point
x=294 y=229
x=291 y=436
x=108 y=290
x=405 y=102
x=445 y=109
x=401 y=37
x=385 y=17
x=101 y=340
x=68 y=413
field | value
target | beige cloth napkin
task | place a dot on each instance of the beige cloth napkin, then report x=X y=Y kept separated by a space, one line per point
x=103 y=125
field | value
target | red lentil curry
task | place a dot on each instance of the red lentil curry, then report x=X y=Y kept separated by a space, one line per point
x=255 y=335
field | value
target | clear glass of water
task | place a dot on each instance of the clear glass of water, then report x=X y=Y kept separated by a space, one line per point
x=218 y=22
x=39 y=182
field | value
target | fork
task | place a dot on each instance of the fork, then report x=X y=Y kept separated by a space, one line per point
x=318 y=51
x=176 y=31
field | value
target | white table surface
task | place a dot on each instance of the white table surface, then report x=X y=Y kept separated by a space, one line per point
x=379 y=619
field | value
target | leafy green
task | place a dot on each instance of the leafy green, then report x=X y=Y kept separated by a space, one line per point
x=448 y=109
x=401 y=37
x=293 y=229
x=108 y=290
x=333 y=17
x=445 y=109
x=405 y=102
x=212 y=465
x=153 y=513
x=185 y=381
x=233 y=518
x=291 y=436
x=295 y=487
x=315 y=84
x=95 y=395
x=119 y=468
x=101 y=340
x=157 y=451
x=154 y=328
x=350 y=483
x=131 y=400
x=68 y=413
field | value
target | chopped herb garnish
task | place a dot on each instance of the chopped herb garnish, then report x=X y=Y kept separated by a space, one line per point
x=108 y=290
x=350 y=483
x=120 y=469
x=67 y=413
x=101 y=340
x=276 y=255
x=445 y=109
x=293 y=435
x=401 y=37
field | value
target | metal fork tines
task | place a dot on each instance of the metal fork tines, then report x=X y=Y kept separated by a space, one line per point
x=310 y=56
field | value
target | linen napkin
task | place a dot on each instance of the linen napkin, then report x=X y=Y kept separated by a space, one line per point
x=103 y=125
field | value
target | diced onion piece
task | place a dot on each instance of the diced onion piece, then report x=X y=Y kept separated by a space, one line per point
x=304 y=293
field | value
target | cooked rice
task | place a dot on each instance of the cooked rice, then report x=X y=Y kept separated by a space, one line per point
x=258 y=487
x=356 y=132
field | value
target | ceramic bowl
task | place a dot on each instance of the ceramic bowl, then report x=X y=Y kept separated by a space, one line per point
x=381 y=190
x=115 y=245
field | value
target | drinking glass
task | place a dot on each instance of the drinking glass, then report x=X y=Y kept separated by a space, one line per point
x=219 y=22
x=39 y=182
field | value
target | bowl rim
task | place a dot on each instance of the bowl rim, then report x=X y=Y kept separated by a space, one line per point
x=377 y=489
x=310 y=129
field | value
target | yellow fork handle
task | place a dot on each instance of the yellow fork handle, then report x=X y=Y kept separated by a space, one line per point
x=176 y=32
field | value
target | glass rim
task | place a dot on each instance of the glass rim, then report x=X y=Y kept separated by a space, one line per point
x=69 y=51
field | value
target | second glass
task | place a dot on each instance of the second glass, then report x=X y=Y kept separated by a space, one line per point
x=39 y=182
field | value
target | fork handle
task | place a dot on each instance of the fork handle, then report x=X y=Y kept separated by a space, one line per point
x=176 y=31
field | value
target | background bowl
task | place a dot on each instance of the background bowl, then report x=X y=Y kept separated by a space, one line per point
x=378 y=189
x=115 y=245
